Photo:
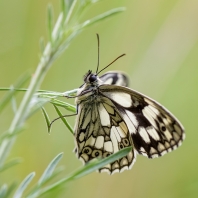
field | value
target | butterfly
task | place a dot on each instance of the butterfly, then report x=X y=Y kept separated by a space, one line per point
x=111 y=116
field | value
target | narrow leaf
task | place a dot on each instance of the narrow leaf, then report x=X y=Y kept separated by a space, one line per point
x=48 y=175
x=64 y=120
x=70 y=93
x=23 y=90
x=50 y=21
x=64 y=8
x=10 y=89
x=36 y=104
x=68 y=3
x=42 y=45
x=92 y=166
x=47 y=120
x=19 y=192
x=43 y=93
x=71 y=6
x=65 y=105
x=11 y=163
x=50 y=169
x=54 y=174
x=3 y=191
x=10 y=189
x=57 y=31
x=100 y=17
x=9 y=135
x=22 y=80
x=14 y=104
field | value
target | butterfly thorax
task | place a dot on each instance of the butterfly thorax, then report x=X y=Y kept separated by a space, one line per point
x=89 y=90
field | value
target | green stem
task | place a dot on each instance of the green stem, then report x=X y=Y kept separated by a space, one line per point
x=22 y=112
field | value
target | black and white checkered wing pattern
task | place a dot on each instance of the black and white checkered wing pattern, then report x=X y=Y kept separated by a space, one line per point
x=101 y=131
x=154 y=130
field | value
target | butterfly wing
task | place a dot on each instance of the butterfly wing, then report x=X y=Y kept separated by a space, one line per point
x=155 y=131
x=115 y=78
x=101 y=131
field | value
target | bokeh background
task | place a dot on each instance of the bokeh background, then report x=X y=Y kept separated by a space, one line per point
x=160 y=38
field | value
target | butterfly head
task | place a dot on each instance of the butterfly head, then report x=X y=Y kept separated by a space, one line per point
x=91 y=84
x=91 y=78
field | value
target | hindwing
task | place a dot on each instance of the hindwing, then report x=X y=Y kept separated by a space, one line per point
x=155 y=131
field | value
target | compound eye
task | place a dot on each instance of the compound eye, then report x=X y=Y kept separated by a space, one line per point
x=92 y=78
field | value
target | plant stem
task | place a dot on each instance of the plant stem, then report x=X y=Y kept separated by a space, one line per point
x=22 y=112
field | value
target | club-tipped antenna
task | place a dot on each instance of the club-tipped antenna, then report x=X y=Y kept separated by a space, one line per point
x=98 y=52
x=110 y=63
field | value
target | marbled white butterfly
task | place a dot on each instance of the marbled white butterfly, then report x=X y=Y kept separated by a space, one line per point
x=111 y=116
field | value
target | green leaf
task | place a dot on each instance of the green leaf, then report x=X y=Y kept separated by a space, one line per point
x=23 y=90
x=11 y=163
x=21 y=81
x=64 y=8
x=42 y=45
x=10 y=89
x=65 y=44
x=65 y=105
x=48 y=174
x=36 y=104
x=19 y=192
x=54 y=174
x=3 y=191
x=9 y=135
x=50 y=21
x=100 y=17
x=14 y=104
x=68 y=3
x=71 y=6
x=11 y=188
x=50 y=169
x=47 y=120
x=70 y=93
x=6 y=190
x=92 y=166
x=64 y=120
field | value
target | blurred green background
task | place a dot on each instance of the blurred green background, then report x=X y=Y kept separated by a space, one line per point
x=160 y=38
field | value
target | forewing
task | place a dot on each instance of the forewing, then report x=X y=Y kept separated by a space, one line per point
x=155 y=131
x=115 y=78
x=101 y=131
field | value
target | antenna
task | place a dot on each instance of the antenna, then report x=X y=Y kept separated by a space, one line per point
x=98 y=52
x=111 y=63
